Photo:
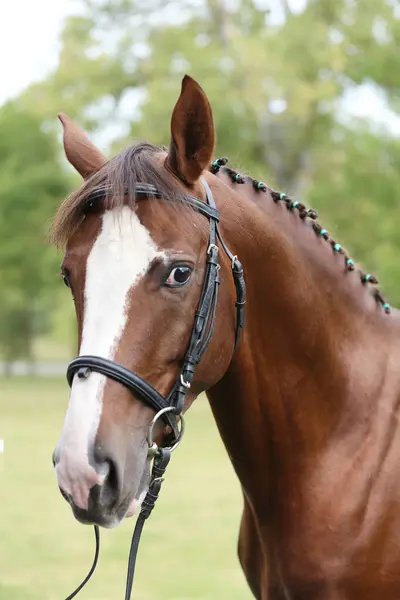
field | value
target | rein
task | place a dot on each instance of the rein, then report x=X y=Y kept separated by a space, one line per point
x=169 y=408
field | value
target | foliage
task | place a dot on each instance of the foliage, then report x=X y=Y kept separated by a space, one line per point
x=32 y=184
x=276 y=72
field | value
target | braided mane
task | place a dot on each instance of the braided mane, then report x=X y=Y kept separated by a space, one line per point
x=304 y=213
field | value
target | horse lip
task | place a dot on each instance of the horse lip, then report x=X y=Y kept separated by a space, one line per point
x=97 y=517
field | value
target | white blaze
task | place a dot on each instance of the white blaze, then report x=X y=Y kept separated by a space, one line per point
x=119 y=258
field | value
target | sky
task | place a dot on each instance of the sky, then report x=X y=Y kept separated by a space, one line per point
x=29 y=31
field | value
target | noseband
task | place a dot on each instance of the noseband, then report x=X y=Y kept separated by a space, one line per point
x=170 y=407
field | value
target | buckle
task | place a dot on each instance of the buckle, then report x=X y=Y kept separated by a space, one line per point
x=212 y=247
x=185 y=384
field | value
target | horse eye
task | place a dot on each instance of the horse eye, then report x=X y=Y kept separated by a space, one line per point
x=178 y=276
x=93 y=204
x=65 y=278
x=90 y=205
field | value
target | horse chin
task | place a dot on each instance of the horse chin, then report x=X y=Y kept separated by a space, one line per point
x=98 y=514
x=135 y=505
x=107 y=521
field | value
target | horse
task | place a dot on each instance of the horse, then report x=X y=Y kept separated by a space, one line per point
x=306 y=401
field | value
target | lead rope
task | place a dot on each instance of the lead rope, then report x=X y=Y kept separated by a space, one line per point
x=92 y=568
x=160 y=464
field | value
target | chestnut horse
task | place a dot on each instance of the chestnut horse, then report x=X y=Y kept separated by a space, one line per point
x=306 y=405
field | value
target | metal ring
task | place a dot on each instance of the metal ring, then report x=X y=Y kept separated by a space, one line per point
x=212 y=246
x=153 y=448
x=152 y=451
x=234 y=258
x=181 y=432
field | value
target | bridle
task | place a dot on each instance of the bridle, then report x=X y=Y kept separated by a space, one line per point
x=169 y=408
x=203 y=326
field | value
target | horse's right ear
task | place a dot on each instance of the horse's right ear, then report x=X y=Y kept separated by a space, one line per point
x=79 y=150
x=192 y=133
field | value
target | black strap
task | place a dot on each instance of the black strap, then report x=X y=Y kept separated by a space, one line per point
x=160 y=464
x=83 y=365
x=147 y=189
x=240 y=285
x=237 y=272
x=204 y=321
x=92 y=568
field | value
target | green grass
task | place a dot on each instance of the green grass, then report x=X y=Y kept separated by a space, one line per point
x=188 y=549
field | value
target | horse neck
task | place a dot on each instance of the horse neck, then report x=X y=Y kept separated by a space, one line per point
x=313 y=355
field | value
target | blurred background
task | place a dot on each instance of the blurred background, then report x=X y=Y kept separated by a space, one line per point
x=305 y=95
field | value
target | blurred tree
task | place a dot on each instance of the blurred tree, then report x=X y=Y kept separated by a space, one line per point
x=276 y=74
x=357 y=192
x=31 y=186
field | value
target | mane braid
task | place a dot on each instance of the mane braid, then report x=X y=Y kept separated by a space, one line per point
x=235 y=176
x=304 y=213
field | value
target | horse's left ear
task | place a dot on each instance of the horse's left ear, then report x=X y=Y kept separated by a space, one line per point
x=79 y=150
x=192 y=133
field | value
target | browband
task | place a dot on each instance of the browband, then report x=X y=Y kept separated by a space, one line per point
x=147 y=189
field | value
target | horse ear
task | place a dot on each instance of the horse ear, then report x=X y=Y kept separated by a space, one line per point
x=192 y=133
x=79 y=150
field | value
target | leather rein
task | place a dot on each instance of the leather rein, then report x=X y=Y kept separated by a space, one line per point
x=169 y=408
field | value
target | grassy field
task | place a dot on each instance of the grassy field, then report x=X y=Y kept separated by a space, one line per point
x=188 y=549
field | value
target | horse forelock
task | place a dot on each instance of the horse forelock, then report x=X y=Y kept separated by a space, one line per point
x=140 y=163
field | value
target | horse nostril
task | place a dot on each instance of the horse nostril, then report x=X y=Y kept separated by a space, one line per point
x=112 y=476
x=106 y=466
x=101 y=461
x=55 y=458
x=110 y=489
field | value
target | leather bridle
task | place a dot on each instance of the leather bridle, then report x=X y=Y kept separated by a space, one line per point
x=170 y=407
x=203 y=326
